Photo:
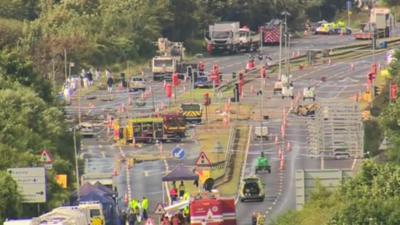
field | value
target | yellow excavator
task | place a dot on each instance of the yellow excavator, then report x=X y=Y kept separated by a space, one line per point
x=306 y=110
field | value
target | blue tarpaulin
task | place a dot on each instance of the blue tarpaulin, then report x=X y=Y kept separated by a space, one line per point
x=89 y=192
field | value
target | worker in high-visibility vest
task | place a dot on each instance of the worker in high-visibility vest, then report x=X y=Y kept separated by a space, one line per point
x=186 y=196
x=186 y=214
x=133 y=205
x=145 y=208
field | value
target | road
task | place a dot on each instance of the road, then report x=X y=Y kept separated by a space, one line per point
x=145 y=178
x=340 y=82
x=233 y=63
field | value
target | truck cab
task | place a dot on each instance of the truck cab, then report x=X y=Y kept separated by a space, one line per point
x=223 y=36
x=93 y=211
x=192 y=112
x=163 y=67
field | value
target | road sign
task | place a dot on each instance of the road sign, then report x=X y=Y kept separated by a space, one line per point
x=31 y=183
x=61 y=180
x=149 y=221
x=159 y=209
x=178 y=153
x=45 y=157
x=203 y=160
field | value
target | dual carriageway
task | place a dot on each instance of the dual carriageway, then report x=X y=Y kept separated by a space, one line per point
x=144 y=179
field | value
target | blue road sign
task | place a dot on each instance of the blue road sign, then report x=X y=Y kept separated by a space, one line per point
x=178 y=153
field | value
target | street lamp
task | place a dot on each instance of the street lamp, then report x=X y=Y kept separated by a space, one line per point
x=285 y=14
x=76 y=166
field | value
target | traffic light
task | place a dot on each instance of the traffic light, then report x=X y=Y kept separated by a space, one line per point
x=236 y=93
x=121 y=133
x=194 y=76
x=207 y=99
x=377 y=91
x=189 y=72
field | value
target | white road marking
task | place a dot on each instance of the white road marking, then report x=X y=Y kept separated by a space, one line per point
x=354 y=164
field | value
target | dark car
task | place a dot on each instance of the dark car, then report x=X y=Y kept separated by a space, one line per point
x=203 y=82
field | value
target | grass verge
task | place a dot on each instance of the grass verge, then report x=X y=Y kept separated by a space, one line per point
x=230 y=188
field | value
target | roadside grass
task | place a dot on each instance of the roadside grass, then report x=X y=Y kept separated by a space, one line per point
x=208 y=135
x=230 y=188
x=197 y=95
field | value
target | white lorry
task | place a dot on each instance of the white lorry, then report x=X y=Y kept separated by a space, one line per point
x=170 y=56
x=224 y=36
x=229 y=37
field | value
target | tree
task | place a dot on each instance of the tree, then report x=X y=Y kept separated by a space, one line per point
x=17 y=68
x=10 y=199
x=19 y=9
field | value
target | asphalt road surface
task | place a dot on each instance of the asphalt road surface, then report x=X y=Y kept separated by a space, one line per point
x=340 y=82
x=145 y=178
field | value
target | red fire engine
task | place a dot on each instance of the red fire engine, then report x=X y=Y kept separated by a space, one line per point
x=213 y=211
x=271 y=32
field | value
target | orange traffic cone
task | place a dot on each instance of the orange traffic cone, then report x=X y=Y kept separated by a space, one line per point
x=288 y=147
x=352 y=67
x=130 y=100
x=276 y=140
x=329 y=61
x=282 y=132
x=126 y=199
x=282 y=162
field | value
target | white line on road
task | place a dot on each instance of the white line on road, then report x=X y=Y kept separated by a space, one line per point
x=354 y=164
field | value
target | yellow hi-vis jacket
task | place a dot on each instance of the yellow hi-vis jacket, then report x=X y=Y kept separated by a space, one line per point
x=133 y=205
x=186 y=196
x=145 y=204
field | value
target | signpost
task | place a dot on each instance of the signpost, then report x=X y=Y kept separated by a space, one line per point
x=159 y=209
x=348 y=7
x=178 y=153
x=31 y=183
x=46 y=159
x=203 y=161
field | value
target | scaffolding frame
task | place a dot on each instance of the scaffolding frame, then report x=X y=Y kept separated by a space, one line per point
x=336 y=128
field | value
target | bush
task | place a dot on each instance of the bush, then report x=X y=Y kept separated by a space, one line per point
x=373 y=136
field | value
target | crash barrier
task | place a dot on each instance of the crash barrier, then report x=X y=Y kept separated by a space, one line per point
x=229 y=156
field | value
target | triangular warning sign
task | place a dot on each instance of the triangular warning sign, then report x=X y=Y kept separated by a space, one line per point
x=149 y=222
x=203 y=160
x=45 y=157
x=209 y=215
x=159 y=209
